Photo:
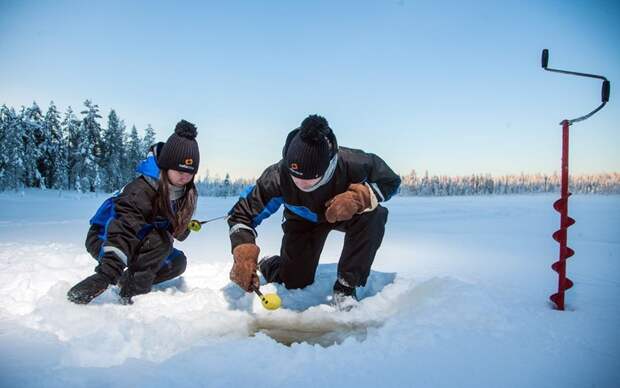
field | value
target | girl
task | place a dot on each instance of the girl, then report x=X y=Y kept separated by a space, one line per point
x=132 y=233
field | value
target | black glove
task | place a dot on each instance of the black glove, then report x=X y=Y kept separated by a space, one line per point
x=135 y=283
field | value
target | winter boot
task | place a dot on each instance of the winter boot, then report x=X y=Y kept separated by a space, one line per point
x=88 y=289
x=344 y=297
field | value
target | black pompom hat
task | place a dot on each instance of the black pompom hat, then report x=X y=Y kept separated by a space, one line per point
x=310 y=148
x=180 y=152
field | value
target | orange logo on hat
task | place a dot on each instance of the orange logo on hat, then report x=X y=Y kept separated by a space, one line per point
x=294 y=166
x=189 y=162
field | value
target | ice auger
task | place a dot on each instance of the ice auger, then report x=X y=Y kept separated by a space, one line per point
x=561 y=205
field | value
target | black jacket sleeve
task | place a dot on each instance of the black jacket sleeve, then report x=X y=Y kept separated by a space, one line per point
x=254 y=205
x=379 y=176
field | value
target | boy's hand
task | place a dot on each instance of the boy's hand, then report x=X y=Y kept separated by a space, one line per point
x=345 y=205
x=243 y=271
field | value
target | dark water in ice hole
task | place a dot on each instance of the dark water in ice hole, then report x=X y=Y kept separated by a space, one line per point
x=329 y=335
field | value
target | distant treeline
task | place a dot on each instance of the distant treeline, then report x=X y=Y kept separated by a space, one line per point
x=486 y=184
x=218 y=187
x=67 y=152
x=477 y=184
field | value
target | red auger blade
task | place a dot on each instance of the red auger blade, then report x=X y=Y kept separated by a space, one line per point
x=561 y=236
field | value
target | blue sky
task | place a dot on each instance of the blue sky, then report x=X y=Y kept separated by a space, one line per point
x=449 y=87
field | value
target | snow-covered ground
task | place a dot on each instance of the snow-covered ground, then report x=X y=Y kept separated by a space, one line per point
x=458 y=298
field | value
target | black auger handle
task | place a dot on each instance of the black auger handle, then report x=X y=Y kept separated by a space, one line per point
x=605 y=91
x=544 y=61
x=545 y=58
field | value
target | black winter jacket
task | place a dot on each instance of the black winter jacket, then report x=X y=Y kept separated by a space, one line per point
x=275 y=187
x=127 y=217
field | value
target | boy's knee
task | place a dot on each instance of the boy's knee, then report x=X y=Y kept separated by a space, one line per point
x=296 y=284
x=379 y=215
x=375 y=220
x=294 y=280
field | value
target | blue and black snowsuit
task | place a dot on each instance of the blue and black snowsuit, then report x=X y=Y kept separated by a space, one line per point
x=305 y=226
x=125 y=233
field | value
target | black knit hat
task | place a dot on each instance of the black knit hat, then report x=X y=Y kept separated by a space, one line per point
x=180 y=152
x=310 y=148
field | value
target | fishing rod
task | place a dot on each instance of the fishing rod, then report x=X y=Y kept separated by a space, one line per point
x=269 y=301
x=196 y=225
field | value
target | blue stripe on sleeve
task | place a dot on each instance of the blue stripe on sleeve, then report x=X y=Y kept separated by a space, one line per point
x=245 y=192
x=272 y=206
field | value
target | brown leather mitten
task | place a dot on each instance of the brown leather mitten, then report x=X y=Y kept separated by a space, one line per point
x=243 y=271
x=345 y=205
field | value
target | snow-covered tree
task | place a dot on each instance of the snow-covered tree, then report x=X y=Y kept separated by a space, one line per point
x=31 y=123
x=74 y=143
x=61 y=172
x=51 y=147
x=12 y=172
x=134 y=153
x=125 y=156
x=3 y=125
x=113 y=153
x=122 y=154
x=149 y=139
x=91 y=150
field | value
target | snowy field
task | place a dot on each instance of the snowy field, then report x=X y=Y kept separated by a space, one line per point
x=458 y=298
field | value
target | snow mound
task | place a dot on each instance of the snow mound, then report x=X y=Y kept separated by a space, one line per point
x=200 y=307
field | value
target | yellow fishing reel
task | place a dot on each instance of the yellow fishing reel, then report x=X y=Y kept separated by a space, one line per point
x=269 y=301
x=194 y=225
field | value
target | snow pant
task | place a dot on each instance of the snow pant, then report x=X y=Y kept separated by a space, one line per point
x=303 y=243
x=154 y=261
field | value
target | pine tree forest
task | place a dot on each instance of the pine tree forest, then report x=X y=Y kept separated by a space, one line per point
x=87 y=152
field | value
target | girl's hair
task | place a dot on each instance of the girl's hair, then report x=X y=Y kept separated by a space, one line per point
x=186 y=205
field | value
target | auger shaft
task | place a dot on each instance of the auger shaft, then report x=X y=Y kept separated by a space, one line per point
x=561 y=235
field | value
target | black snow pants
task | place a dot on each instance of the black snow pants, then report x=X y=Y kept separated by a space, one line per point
x=303 y=243
x=154 y=262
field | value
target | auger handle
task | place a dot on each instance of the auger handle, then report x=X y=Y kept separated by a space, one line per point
x=605 y=91
x=544 y=61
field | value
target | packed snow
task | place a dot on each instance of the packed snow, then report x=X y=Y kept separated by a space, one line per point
x=458 y=296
